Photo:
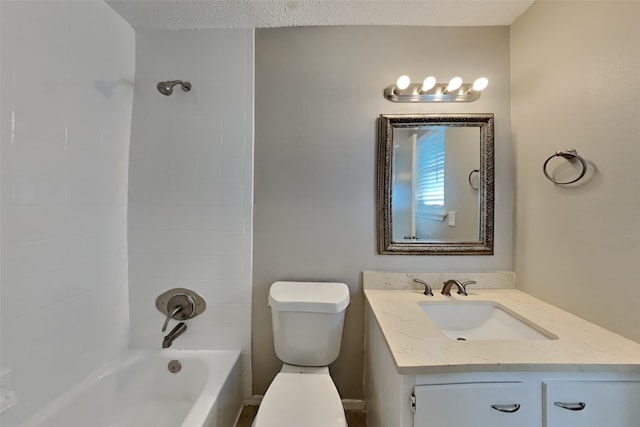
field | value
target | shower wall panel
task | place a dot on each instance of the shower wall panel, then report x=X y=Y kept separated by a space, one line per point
x=191 y=186
x=67 y=93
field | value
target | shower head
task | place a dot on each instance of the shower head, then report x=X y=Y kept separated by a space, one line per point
x=166 y=88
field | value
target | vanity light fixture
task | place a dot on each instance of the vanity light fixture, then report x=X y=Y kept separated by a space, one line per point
x=428 y=84
x=454 y=84
x=480 y=84
x=402 y=83
x=432 y=91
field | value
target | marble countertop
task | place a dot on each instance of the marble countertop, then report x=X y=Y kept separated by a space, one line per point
x=418 y=346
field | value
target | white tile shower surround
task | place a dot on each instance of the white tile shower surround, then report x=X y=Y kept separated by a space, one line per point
x=64 y=192
x=67 y=98
x=191 y=186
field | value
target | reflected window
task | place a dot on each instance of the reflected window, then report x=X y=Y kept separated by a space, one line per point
x=430 y=161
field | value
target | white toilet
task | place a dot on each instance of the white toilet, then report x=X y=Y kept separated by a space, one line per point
x=307 y=331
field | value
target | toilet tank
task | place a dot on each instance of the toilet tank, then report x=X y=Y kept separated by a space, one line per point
x=307 y=321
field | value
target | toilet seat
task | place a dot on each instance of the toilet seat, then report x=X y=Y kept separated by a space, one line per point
x=296 y=400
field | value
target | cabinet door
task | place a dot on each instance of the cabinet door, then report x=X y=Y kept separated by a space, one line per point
x=591 y=403
x=508 y=404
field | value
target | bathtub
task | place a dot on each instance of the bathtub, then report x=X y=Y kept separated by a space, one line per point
x=139 y=391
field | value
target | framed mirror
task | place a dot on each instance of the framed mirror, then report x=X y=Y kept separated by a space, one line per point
x=435 y=184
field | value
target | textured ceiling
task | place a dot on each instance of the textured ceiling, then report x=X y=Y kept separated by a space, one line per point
x=201 y=14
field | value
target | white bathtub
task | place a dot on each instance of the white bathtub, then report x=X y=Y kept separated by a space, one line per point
x=139 y=391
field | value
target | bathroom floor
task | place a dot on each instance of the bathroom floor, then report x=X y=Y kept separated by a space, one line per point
x=355 y=418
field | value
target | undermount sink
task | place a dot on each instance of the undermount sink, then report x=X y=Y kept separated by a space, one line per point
x=481 y=320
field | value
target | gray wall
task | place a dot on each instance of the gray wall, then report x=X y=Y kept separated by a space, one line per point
x=575 y=84
x=318 y=94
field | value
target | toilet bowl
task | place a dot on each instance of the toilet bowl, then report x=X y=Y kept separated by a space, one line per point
x=308 y=399
x=307 y=329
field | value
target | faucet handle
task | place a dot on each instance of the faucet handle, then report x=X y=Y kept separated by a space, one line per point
x=463 y=286
x=179 y=304
x=427 y=288
x=170 y=316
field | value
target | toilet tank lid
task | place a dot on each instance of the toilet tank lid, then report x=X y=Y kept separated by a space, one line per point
x=309 y=297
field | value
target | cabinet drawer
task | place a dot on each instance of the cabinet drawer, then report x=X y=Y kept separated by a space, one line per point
x=507 y=404
x=591 y=403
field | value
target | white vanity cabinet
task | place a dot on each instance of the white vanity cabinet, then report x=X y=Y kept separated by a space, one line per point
x=591 y=403
x=585 y=377
x=533 y=402
x=503 y=404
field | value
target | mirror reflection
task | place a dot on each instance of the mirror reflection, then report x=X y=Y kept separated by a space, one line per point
x=436 y=184
x=433 y=197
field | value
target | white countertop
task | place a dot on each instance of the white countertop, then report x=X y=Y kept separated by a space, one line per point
x=418 y=346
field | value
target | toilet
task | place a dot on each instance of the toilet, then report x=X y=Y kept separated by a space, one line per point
x=307 y=322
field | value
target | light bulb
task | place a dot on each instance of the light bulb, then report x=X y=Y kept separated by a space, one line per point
x=403 y=82
x=480 y=84
x=428 y=84
x=454 y=84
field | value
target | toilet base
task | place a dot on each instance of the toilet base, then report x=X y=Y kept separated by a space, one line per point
x=301 y=396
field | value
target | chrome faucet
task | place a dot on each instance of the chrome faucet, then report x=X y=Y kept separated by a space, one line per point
x=427 y=288
x=175 y=333
x=462 y=286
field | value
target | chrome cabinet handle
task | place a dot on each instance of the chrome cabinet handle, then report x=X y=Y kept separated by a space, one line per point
x=571 y=406
x=507 y=408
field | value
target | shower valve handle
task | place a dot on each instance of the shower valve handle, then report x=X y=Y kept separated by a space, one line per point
x=179 y=304
x=170 y=315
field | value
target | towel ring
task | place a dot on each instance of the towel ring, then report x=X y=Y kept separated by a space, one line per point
x=470 y=182
x=570 y=155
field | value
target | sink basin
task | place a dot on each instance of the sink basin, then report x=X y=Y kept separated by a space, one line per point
x=481 y=320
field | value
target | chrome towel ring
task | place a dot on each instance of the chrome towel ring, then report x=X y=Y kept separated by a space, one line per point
x=470 y=176
x=570 y=155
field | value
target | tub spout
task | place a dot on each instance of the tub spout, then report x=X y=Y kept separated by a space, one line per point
x=175 y=333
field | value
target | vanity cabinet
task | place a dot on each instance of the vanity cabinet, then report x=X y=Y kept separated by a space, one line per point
x=506 y=404
x=417 y=379
x=529 y=403
x=591 y=403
